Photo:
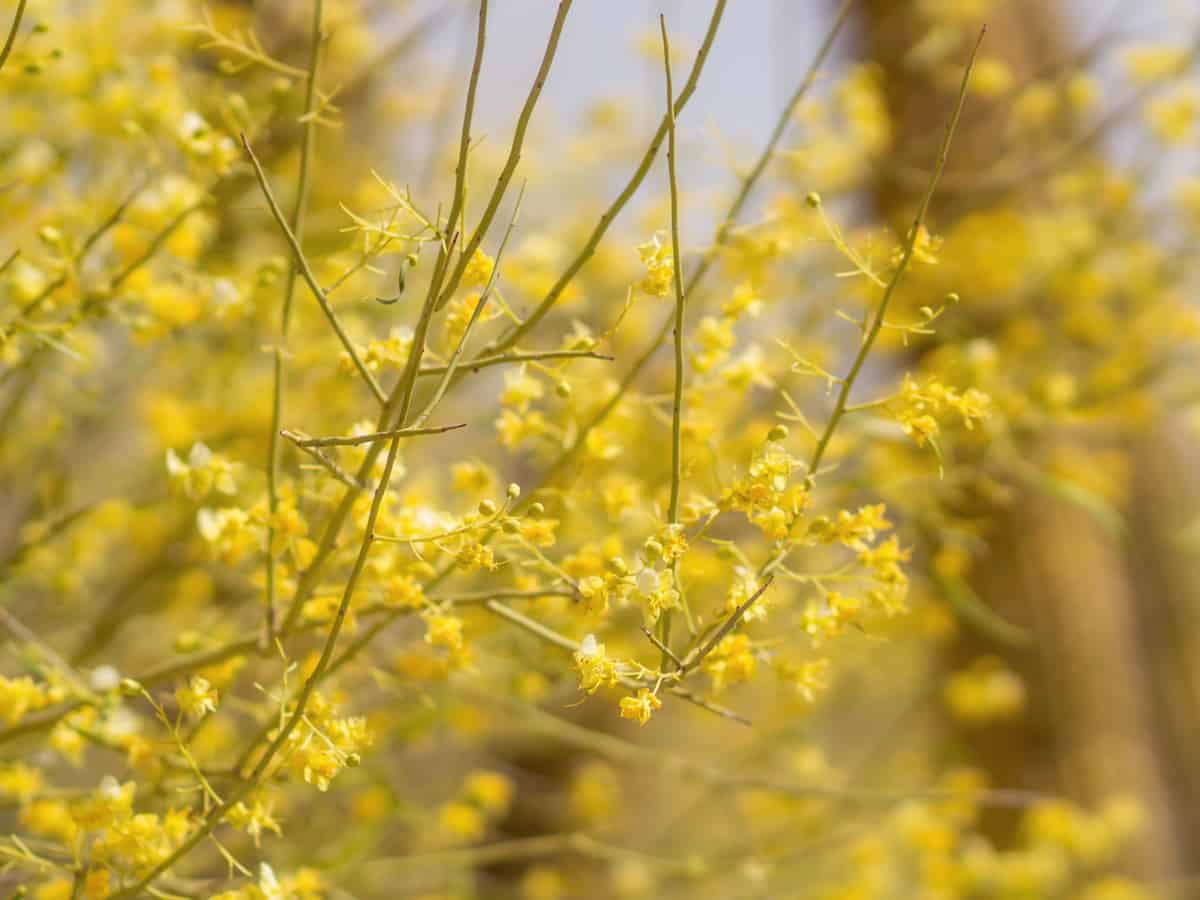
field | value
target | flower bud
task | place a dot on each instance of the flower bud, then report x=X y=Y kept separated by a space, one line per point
x=187 y=642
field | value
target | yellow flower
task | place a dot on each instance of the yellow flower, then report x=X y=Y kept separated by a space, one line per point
x=444 y=631
x=490 y=791
x=640 y=707
x=229 y=530
x=50 y=819
x=20 y=781
x=521 y=389
x=462 y=822
x=596 y=669
x=253 y=818
x=203 y=472
x=539 y=532
x=543 y=883
x=405 y=592
x=56 y=889
x=810 y=679
x=992 y=77
x=595 y=792
x=478 y=269
x=1149 y=63
x=197 y=698
x=109 y=804
x=657 y=590
x=714 y=338
x=730 y=662
x=473 y=556
x=1173 y=118
x=660 y=267
x=19 y=696
x=985 y=692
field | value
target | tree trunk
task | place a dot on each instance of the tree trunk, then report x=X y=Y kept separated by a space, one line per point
x=1093 y=720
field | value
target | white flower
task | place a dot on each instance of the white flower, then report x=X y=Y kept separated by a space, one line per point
x=192 y=126
x=110 y=787
x=105 y=678
x=647 y=581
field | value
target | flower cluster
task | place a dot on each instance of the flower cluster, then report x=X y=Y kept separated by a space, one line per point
x=415 y=510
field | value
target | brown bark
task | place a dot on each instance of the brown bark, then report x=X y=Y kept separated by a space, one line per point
x=1026 y=34
x=1093 y=722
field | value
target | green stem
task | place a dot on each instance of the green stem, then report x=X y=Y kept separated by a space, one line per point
x=664 y=632
x=12 y=33
x=876 y=325
x=746 y=187
x=623 y=198
x=307 y=142
x=310 y=279
x=514 y=155
x=501 y=359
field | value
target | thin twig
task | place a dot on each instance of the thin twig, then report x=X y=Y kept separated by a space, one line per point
x=550 y=636
x=388 y=419
x=310 y=279
x=696 y=700
x=909 y=245
x=45 y=534
x=309 y=578
x=21 y=632
x=514 y=155
x=156 y=244
x=872 y=332
x=328 y=464
x=627 y=192
x=9 y=260
x=353 y=440
x=666 y=651
x=256 y=776
x=89 y=242
x=396 y=408
x=458 y=201
x=47 y=717
x=456 y=356
x=12 y=33
x=677 y=272
x=534 y=627
x=664 y=632
x=694 y=659
x=307 y=142
x=501 y=359
x=745 y=189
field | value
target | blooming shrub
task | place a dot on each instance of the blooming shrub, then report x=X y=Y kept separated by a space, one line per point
x=325 y=486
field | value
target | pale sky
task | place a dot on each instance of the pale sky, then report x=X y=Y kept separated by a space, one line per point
x=762 y=49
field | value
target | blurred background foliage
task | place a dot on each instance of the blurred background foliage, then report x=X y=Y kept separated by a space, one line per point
x=976 y=671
